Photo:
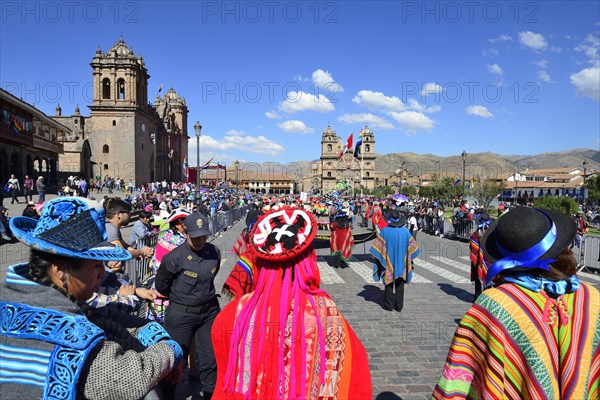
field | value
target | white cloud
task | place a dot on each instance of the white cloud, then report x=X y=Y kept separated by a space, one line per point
x=301 y=101
x=237 y=140
x=491 y=52
x=535 y=41
x=413 y=121
x=301 y=78
x=501 y=38
x=587 y=82
x=416 y=106
x=544 y=76
x=378 y=101
x=431 y=88
x=479 y=111
x=590 y=47
x=495 y=69
x=295 y=126
x=542 y=63
x=272 y=114
x=323 y=79
x=373 y=121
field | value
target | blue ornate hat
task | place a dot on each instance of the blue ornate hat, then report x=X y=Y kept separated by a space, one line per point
x=69 y=226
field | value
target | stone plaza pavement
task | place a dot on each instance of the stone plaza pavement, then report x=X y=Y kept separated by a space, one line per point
x=406 y=350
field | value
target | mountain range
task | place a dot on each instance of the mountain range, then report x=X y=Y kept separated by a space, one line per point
x=486 y=163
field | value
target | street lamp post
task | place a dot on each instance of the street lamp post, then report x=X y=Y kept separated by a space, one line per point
x=464 y=158
x=170 y=159
x=198 y=129
x=401 y=175
x=584 y=201
x=237 y=180
x=153 y=137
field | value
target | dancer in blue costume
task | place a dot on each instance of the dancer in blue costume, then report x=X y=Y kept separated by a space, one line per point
x=394 y=249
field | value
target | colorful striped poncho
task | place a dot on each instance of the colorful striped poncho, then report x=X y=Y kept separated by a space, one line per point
x=394 y=248
x=514 y=343
x=341 y=242
x=479 y=265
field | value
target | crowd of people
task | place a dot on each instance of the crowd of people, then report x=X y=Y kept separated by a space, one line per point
x=281 y=335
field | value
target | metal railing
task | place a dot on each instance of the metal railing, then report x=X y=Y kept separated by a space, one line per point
x=588 y=253
x=458 y=228
x=140 y=270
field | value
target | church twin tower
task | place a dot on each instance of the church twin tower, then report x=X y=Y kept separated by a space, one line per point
x=333 y=168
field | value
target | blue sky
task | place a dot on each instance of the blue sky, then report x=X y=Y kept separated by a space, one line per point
x=266 y=78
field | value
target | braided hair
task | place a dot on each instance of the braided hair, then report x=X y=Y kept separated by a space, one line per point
x=39 y=270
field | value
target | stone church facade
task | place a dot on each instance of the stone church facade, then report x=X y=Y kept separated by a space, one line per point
x=125 y=133
x=329 y=170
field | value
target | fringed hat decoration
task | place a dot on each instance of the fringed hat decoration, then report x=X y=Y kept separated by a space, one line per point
x=278 y=344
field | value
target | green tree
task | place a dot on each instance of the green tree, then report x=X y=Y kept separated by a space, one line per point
x=565 y=205
x=486 y=191
x=382 y=191
x=593 y=188
x=409 y=190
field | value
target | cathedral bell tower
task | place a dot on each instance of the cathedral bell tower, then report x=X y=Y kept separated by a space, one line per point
x=120 y=78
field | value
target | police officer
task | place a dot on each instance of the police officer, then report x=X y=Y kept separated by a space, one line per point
x=186 y=275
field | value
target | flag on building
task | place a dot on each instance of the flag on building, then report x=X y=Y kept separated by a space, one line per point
x=17 y=126
x=185 y=166
x=455 y=181
x=207 y=164
x=347 y=146
x=358 y=149
x=160 y=88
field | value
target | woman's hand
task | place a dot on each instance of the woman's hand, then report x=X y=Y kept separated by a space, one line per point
x=126 y=290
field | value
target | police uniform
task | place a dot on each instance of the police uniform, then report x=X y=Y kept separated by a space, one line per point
x=187 y=277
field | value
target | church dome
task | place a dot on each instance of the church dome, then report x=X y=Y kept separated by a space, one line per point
x=120 y=49
x=329 y=131
x=172 y=95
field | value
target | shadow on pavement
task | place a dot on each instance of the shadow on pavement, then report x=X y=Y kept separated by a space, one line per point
x=459 y=293
x=372 y=293
x=387 y=396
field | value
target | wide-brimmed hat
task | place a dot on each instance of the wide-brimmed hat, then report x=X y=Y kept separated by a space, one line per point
x=177 y=214
x=396 y=220
x=526 y=238
x=69 y=226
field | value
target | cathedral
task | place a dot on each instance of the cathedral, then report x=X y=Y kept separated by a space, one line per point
x=125 y=136
x=330 y=170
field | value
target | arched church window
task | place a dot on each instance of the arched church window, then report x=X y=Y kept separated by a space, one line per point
x=121 y=89
x=105 y=149
x=368 y=174
x=329 y=148
x=106 y=88
x=367 y=148
x=329 y=174
x=105 y=166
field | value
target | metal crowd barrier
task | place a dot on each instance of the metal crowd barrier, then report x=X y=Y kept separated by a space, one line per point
x=140 y=270
x=461 y=228
x=588 y=253
x=224 y=220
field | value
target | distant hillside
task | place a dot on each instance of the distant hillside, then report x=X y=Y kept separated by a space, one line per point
x=483 y=164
